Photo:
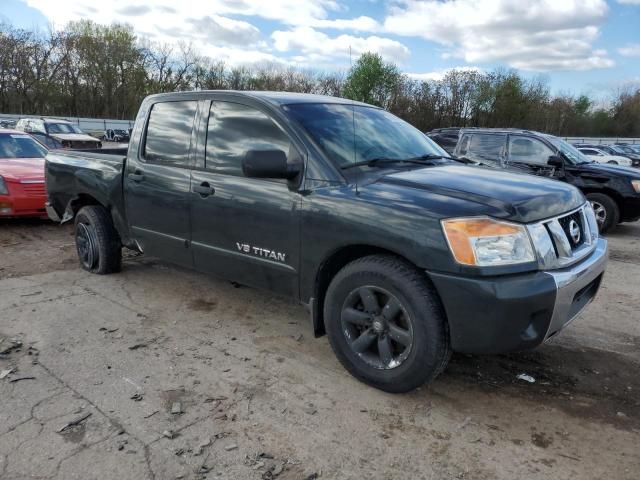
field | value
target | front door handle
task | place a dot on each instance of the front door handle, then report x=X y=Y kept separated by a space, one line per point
x=136 y=177
x=204 y=189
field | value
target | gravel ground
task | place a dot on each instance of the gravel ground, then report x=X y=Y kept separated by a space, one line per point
x=162 y=373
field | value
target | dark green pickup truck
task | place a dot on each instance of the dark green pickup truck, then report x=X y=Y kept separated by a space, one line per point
x=402 y=254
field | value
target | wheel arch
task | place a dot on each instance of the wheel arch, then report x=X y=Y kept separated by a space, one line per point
x=609 y=192
x=330 y=266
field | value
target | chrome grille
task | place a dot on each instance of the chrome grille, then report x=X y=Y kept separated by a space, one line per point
x=565 y=239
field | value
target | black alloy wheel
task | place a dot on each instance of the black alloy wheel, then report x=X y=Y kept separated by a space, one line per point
x=86 y=244
x=377 y=327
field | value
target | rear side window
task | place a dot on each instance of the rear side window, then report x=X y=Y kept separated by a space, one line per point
x=233 y=130
x=169 y=133
x=486 y=149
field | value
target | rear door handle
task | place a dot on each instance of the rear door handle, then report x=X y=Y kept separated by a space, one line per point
x=204 y=189
x=136 y=177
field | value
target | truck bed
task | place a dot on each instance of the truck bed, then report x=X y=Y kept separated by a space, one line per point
x=94 y=174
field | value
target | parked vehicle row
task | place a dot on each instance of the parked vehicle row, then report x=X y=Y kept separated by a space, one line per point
x=56 y=133
x=401 y=254
x=22 y=187
x=613 y=188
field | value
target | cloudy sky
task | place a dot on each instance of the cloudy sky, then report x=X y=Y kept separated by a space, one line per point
x=580 y=45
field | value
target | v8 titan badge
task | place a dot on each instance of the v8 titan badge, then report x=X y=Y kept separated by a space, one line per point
x=261 y=252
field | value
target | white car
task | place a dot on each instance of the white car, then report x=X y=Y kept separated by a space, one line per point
x=601 y=156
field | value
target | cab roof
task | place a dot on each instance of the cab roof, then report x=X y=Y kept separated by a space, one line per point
x=276 y=98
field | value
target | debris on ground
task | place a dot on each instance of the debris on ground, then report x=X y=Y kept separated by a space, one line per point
x=6 y=372
x=310 y=408
x=9 y=345
x=136 y=397
x=74 y=423
x=299 y=337
x=233 y=446
x=19 y=379
x=149 y=415
x=526 y=378
x=170 y=434
x=138 y=346
x=176 y=408
x=108 y=330
x=202 y=445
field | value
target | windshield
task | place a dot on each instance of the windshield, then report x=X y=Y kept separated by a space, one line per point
x=570 y=152
x=62 y=128
x=379 y=135
x=15 y=145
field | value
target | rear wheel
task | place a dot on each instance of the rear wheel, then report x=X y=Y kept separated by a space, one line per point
x=386 y=325
x=606 y=210
x=97 y=241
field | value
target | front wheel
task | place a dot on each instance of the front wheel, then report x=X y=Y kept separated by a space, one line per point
x=606 y=210
x=97 y=241
x=386 y=325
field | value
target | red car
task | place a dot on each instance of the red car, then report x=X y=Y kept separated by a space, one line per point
x=22 y=188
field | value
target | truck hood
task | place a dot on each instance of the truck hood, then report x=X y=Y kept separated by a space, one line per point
x=74 y=137
x=18 y=169
x=518 y=197
x=630 y=172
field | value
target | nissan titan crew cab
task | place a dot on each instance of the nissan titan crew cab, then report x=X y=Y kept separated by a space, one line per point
x=401 y=254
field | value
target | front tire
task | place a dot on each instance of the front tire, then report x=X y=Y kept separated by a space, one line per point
x=97 y=241
x=386 y=325
x=606 y=210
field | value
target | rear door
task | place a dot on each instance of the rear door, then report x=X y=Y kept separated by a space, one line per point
x=488 y=149
x=244 y=229
x=157 y=182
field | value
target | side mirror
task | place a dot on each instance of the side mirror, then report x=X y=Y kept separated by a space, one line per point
x=268 y=164
x=555 y=161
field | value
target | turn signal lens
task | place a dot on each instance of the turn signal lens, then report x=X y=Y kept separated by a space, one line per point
x=485 y=242
x=636 y=185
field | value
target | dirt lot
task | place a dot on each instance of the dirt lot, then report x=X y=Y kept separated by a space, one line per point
x=160 y=373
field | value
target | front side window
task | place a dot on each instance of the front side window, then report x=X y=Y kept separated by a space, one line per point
x=528 y=150
x=235 y=129
x=350 y=134
x=168 y=137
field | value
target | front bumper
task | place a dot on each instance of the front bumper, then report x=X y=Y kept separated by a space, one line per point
x=22 y=206
x=517 y=312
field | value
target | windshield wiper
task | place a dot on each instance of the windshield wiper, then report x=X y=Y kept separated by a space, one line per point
x=382 y=161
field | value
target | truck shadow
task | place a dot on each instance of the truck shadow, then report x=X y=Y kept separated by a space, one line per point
x=586 y=383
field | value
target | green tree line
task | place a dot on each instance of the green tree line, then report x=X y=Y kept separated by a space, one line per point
x=91 y=70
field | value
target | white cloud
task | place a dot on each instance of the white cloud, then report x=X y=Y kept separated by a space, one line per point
x=440 y=74
x=630 y=50
x=629 y=2
x=319 y=46
x=208 y=25
x=532 y=35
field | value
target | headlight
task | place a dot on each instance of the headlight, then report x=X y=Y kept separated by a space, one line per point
x=636 y=185
x=3 y=187
x=484 y=242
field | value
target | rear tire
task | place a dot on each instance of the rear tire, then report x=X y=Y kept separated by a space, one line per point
x=97 y=241
x=386 y=325
x=606 y=210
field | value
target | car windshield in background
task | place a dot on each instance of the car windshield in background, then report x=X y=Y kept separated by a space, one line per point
x=62 y=128
x=574 y=155
x=14 y=145
x=379 y=135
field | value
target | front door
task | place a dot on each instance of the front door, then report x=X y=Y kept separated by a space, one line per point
x=244 y=229
x=157 y=182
